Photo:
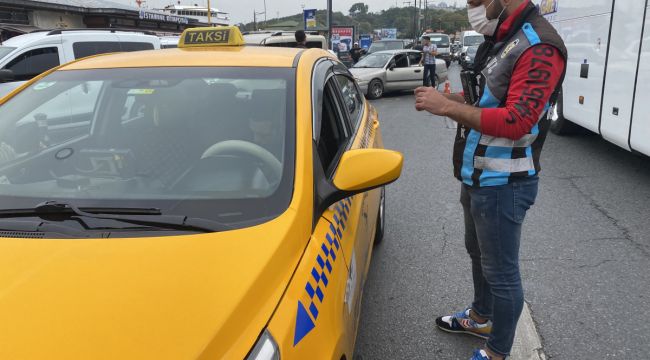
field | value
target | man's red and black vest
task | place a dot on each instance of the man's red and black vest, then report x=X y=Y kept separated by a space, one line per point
x=481 y=160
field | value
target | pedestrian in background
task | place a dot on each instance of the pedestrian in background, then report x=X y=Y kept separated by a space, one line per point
x=301 y=39
x=355 y=52
x=429 y=52
x=497 y=158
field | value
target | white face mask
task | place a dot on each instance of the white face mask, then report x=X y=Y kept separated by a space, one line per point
x=479 y=21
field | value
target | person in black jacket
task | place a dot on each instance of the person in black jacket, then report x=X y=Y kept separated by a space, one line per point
x=301 y=39
x=355 y=52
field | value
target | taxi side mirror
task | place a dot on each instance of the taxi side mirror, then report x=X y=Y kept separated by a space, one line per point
x=6 y=75
x=358 y=171
x=366 y=169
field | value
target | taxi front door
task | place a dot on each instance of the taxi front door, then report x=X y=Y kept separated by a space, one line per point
x=350 y=219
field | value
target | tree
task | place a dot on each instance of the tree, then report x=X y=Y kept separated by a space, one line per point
x=358 y=8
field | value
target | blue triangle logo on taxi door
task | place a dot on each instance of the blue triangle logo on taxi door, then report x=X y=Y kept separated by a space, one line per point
x=304 y=324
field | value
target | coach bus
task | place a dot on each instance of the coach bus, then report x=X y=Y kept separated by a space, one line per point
x=607 y=85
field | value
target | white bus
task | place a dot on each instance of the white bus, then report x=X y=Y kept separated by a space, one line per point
x=607 y=85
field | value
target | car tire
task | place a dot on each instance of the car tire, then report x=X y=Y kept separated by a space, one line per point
x=381 y=218
x=375 y=89
x=448 y=62
x=559 y=124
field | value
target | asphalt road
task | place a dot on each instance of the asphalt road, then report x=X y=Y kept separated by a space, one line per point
x=585 y=253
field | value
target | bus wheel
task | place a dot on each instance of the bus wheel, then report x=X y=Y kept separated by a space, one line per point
x=559 y=124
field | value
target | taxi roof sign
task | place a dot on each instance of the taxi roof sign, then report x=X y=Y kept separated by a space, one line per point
x=211 y=36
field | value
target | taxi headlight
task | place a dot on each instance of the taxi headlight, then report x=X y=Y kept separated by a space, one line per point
x=265 y=349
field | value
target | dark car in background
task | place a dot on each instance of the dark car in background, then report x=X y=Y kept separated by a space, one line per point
x=467 y=61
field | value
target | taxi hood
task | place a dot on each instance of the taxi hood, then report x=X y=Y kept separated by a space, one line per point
x=206 y=296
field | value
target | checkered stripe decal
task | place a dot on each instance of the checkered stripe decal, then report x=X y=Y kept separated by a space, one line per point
x=324 y=263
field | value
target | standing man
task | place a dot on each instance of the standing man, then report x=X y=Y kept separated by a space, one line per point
x=429 y=52
x=355 y=52
x=497 y=158
x=301 y=39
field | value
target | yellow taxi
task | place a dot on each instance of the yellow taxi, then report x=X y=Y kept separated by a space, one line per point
x=215 y=201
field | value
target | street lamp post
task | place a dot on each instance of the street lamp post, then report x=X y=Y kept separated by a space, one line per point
x=264 y=13
x=209 y=14
x=329 y=19
x=255 y=13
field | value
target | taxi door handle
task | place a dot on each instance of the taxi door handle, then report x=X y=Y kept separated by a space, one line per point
x=418 y=71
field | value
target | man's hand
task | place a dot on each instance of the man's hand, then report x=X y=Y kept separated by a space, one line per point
x=429 y=99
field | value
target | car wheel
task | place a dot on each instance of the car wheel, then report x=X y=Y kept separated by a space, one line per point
x=448 y=63
x=381 y=218
x=375 y=89
x=559 y=124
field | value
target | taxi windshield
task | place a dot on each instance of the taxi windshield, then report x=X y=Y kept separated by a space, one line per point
x=215 y=143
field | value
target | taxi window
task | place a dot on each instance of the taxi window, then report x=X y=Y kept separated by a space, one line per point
x=333 y=131
x=214 y=143
x=352 y=99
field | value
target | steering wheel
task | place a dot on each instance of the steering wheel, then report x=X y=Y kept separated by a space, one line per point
x=271 y=166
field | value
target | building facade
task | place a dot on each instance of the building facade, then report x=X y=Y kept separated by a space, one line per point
x=23 y=16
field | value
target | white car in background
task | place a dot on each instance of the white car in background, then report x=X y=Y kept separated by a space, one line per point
x=167 y=42
x=26 y=56
x=393 y=70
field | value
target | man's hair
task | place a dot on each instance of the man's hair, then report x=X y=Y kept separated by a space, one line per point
x=300 y=36
x=426 y=38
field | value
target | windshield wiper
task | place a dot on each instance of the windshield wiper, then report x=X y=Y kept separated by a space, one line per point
x=137 y=216
x=39 y=227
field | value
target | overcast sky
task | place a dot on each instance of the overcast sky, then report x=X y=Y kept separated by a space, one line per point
x=242 y=10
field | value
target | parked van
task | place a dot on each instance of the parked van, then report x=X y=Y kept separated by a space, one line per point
x=167 y=42
x=26 y=56
x=470 y=38
x=283 y=39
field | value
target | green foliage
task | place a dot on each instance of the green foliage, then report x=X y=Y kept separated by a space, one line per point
x=358 y=9
x=401 y=18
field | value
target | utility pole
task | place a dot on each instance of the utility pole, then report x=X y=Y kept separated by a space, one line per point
x=408 y=3
x=415 y=20
x=209 y=14
x=329 y=21
x=265 y=13
x=426 y=8
x=255 y=18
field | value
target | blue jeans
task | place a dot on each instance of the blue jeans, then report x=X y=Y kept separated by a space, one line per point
x=493 y=221
x=429 y=78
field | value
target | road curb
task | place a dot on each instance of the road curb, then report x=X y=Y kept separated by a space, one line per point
x=528 y=344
